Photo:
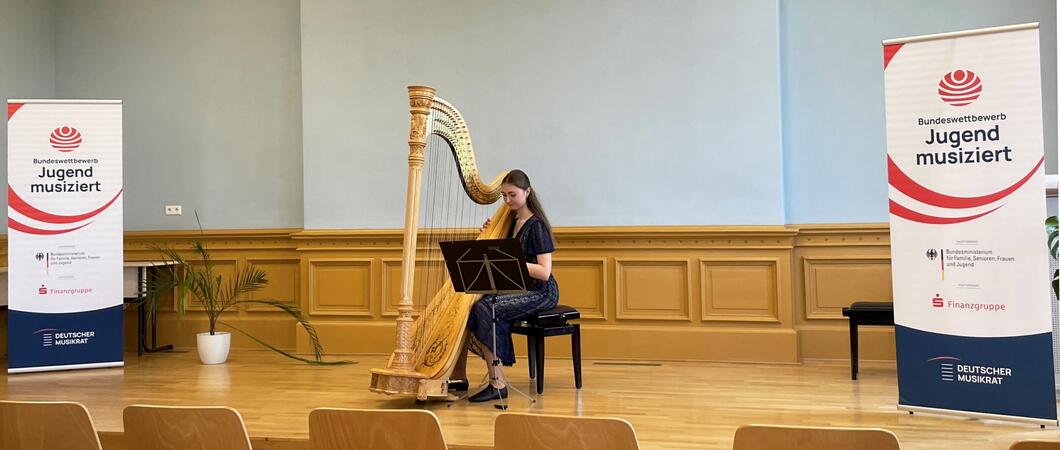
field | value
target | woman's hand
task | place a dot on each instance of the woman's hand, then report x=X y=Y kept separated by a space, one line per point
x=485 y=225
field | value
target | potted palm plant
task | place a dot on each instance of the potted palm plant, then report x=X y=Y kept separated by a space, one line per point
x=195 y=278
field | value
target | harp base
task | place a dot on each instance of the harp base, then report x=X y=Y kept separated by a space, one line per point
x=400 y=382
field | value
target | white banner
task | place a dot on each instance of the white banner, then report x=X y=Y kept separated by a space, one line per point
x=968 y=245
x=65 y=228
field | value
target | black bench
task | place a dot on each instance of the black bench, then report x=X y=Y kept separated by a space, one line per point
x=553 y=322
x=865 y=313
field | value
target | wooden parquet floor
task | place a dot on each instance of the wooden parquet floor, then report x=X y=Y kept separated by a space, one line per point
x=672 y=405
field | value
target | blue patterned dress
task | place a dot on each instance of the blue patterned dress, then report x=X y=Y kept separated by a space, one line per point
x=536 y=238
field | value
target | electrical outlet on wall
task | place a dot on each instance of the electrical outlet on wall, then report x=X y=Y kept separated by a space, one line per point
x=172 y=210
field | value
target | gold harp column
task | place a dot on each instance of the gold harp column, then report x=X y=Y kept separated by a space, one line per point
x=400 y=375
x=420 y=98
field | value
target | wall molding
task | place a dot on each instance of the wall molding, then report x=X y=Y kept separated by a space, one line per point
x=742 y=291
x=720 y=293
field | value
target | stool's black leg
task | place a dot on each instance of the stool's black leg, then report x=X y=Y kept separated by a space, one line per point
x=540 y=353
x=576 y=353
x=531 y=357
x=853 y=349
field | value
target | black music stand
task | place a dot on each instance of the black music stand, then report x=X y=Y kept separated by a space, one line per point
x=490 y=267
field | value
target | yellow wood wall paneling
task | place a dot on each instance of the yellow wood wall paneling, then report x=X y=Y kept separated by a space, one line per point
x=583 y=285
x=833 y=342
x=278 y=330
x=835 y=265
x=283 y=275
x=740 y=290
x=833 y=283
x=732 y=293
x=428 y=279
x=341 y=287
x=653 y=288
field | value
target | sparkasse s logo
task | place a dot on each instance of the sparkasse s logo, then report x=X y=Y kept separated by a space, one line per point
x=936 y=301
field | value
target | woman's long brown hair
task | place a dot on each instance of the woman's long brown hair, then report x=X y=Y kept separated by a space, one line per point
x=519 y=179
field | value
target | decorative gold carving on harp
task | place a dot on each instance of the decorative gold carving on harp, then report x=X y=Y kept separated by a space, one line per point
x=427 y=348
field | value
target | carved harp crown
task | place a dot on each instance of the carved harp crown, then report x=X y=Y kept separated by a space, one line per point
x=427 y=347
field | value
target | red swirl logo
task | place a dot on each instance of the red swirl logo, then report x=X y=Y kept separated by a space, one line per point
x=960 y=87
x=65 y=139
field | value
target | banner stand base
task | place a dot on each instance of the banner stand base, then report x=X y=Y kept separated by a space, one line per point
x=978 y=415
x=65 y=367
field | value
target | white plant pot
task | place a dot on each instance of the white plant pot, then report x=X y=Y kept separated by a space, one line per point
x=213 y=349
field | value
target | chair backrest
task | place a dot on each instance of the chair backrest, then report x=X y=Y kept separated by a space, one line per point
x=1035 y=444
x=374 y=429
x=59 y=425
x=184 y=427
x=777 y=437
x=520 y=431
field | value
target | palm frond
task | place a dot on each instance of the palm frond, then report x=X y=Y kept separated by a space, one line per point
x=296 y=313
x=163 y=279
x=316 y=361
x=196 y=277
x=247 y=280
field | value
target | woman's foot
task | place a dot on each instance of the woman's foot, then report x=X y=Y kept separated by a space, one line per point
x=458 y=385
x=489 y=393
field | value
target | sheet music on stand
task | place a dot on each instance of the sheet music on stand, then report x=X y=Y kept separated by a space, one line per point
x=486 y=266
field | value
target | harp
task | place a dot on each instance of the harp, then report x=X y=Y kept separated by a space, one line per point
x=427 y=348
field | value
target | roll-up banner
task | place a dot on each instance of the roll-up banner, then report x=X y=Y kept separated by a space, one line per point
x=969 y=260
x=64 y=228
